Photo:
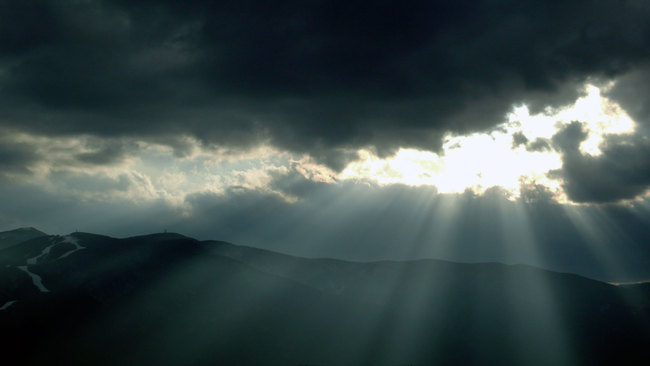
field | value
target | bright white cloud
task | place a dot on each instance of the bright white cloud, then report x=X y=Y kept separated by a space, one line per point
x=483 y=160
x=150 y=170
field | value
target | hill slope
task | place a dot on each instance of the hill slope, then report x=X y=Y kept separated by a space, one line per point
x=13 y=237
x=169 y=299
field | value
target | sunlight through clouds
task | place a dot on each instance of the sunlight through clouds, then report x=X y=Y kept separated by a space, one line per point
x=482 y=160
x=601 y=116
x=518 y=151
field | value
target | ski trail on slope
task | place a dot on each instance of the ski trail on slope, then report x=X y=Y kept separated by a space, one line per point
x=45 y=252
x=7 y=305
x=74 y=241
x=36 y=279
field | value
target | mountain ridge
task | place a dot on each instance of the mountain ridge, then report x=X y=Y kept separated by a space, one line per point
x=16 y=236
x=174 y=235
x=146 y=296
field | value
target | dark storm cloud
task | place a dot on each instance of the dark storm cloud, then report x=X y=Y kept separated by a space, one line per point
x=109 y=154
x=92 y=184
x=16 y=157
x=632 y=92
x=321 y=77
x=518 y=139
x=293 y=183
x=622 y=171
x=539 y=145
x=21 y=154
x=569 y=138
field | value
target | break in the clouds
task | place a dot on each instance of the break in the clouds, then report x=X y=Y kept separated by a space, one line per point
x=330 y=122
x=330 y=82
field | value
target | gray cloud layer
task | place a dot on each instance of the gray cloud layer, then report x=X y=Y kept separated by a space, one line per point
x=317 y=77
x=622 y=171
x=362 y=222
x=16 y=157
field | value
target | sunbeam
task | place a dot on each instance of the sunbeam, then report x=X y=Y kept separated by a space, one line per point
x=325 y=182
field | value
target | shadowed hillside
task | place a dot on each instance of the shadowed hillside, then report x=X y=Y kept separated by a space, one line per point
x=169 y=299
x=12 y=237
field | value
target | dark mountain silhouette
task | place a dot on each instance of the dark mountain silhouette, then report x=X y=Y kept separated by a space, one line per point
x=12 y=237
x=169 y=299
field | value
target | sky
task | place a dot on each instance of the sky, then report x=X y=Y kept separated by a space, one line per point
x=495 y=130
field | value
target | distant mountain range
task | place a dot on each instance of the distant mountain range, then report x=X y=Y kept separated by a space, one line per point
x=172 y=300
